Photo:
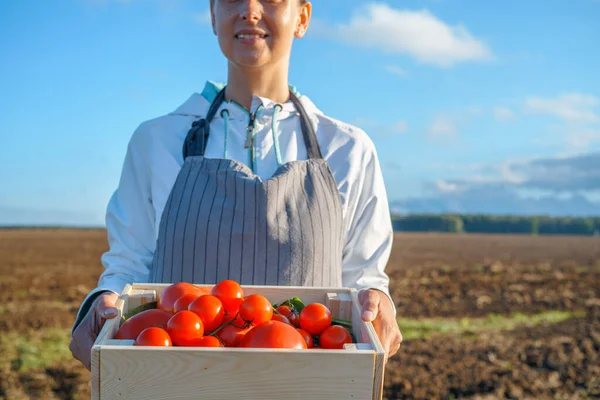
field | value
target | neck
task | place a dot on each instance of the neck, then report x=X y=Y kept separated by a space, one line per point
x=242 y=84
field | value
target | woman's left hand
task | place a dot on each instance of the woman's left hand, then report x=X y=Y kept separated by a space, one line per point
x=377 y=308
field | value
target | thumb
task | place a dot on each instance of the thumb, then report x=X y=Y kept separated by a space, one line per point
x=370 y=304
x=105 y=306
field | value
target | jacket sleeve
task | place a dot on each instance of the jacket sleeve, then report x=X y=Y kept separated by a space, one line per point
x=369 y=233
x=130 y=226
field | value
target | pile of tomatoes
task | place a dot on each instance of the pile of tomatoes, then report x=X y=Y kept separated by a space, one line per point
x=222 y=316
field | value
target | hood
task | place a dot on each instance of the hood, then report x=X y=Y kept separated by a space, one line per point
x=198 y=104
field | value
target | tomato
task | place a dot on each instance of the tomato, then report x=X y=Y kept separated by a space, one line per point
x=280 y=318
x=208 y=341
x=166 y=301
x=274 y=334
x=256 y=309
x=210 y=310
x=146 y=319
x=183 y=302
x=334 y=337
x=314 y=318
x=310 y=343
x=291 y=314
x=230 y=293
x=232 y=334
x=184 y=328
x=153 y=337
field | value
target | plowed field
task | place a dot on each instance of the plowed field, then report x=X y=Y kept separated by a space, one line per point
x=484 y=316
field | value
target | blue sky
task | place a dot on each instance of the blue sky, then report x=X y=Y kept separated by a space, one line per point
x=473 y=106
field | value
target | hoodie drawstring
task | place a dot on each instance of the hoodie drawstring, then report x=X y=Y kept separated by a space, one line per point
x=225 y=115
x=252 y=160
x=278 y=108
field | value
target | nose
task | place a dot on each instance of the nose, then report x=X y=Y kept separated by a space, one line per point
x=251 y=10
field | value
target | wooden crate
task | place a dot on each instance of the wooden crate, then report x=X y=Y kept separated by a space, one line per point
x=123 y=371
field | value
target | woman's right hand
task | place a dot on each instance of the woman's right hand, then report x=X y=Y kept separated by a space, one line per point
x=87 y=331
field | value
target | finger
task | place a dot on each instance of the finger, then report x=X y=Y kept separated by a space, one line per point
x=105 y=306
x=370 y=305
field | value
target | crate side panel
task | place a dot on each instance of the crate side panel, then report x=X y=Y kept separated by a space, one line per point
x=138 y=373
x=95 y=368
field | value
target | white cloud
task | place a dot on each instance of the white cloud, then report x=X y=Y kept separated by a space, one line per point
x=396 y=70
x=442 y=125
x=447 y=187
x=203 y=18
x=571 y=107
x=418 y=34
x=582 y=138
x=504 y=114
x=560 y=174
x=578 y=115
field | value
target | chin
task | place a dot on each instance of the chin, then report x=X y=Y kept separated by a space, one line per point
x=250 y=60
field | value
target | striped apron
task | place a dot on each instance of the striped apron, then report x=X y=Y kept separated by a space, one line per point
x=221 y=221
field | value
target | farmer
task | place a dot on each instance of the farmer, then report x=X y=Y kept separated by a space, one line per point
x=249 y=181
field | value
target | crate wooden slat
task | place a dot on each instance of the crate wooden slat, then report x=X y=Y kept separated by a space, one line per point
x=340 y=305
x=138 y=297
x=123 y=371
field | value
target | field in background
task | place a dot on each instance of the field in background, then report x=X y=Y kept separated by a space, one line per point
x=484 y=316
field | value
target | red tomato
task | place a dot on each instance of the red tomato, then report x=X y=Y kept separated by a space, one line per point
x=314 y=318
x=153 y=337
x=230 y=293
x=334 y=337
x=256 y=309
x=280 y=318
x=184 y=328
x=290 y=314
x=274 y=334
x=208 y=341
x=146 y=319
x=183 y=302
x=231 y=335
x=310 y=343
x=166 y=301
x=210 y=310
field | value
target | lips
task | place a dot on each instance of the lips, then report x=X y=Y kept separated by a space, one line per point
x=251 y=34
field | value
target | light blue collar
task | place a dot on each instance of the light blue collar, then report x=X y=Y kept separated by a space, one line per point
x=211 y=89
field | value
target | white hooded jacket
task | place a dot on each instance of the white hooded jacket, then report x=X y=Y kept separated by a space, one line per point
x=154 y=159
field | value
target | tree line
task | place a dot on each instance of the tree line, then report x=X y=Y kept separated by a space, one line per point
x=531 y=225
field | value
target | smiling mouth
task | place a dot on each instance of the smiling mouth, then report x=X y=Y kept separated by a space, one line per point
x=246 y=36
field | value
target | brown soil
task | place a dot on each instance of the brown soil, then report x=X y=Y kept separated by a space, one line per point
x=44 y=275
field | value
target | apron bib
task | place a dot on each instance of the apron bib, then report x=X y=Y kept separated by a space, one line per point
x=221 y=221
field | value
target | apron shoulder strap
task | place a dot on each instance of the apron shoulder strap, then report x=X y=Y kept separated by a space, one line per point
x=197 y=137
x=310 y=138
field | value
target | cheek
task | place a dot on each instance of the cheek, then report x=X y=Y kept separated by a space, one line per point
x=225 y=40
x=285 y=29
x=286 y=22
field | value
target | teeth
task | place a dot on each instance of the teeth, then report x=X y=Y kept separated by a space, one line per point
x=243 y=36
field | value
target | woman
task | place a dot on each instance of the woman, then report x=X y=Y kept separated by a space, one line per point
x=248 y=181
